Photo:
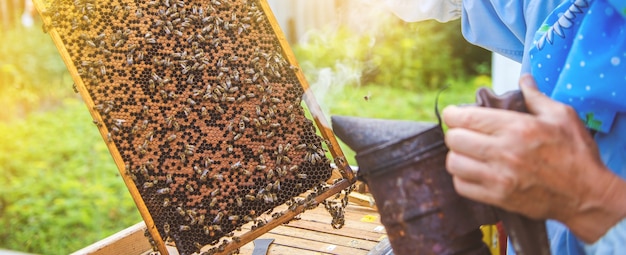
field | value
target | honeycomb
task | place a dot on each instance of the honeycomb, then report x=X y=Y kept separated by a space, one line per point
x=201 y=104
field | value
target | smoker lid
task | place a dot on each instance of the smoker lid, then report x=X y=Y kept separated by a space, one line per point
x=361 y=134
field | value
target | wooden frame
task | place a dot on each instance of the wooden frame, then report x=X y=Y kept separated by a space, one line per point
x=308 y=97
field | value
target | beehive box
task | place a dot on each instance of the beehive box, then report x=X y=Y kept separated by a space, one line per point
x=199 y=103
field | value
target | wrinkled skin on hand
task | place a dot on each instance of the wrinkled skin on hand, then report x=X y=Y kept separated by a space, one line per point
x=544 y=164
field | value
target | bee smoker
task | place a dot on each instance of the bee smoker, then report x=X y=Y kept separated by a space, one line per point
x=403 y=163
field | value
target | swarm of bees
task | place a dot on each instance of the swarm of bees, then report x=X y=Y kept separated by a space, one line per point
x=202 y=105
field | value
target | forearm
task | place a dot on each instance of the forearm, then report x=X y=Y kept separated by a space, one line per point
x=419 y=10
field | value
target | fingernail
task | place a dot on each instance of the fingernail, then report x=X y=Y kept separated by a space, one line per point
x=527 y=80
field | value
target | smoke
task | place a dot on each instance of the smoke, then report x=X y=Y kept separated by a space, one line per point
x=334 y=53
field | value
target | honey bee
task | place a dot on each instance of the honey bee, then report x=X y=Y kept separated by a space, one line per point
x=219 y=109
x=219 y=177
x=184 y=228
x=201 y=219
x=171 y=138
x=293 y=168
x=301 y=146
x=218 y=217
x=204 y=175
x=180 y=211
x=208 y=162
x=236 y=165
x=166 y=202
x=230 y=149
x=213 y=202
x=270 y=174
x=189 y=188
x=166 y=229
x=250 y=197
x=163 y=191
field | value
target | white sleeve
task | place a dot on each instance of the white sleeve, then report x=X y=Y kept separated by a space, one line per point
x=418 y=10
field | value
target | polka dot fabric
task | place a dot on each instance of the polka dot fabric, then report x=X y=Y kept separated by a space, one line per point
x=579 y=59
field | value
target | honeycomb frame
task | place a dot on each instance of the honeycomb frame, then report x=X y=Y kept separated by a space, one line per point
x=123 y=102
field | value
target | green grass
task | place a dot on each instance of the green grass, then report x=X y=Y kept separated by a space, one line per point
x=59 y=190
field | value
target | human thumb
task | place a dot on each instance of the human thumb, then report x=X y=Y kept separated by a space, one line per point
x=536 y=102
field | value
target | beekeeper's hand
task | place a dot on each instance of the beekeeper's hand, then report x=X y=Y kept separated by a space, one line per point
x=543 y=165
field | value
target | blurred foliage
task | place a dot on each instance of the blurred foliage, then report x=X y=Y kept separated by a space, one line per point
x=60 y=189
x=32 y=74
x=410 y=56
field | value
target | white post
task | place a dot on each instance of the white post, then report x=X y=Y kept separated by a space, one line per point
x=505 y=74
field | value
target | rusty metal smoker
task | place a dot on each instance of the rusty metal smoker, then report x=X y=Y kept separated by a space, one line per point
x=403 y=162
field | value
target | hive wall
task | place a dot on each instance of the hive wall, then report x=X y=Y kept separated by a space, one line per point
x=199 y=101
